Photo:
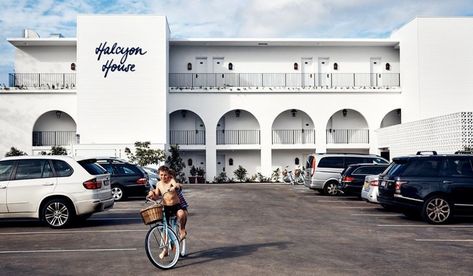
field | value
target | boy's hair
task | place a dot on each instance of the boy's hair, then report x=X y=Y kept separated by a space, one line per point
x=172 y=173
x=164 y=169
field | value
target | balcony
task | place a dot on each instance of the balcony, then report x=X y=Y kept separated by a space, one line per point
x=187 y=137
x=284 y=80
x=54 y=138
x=47 y=81
x=293 y=136
x=238 y=137
x=347 y=136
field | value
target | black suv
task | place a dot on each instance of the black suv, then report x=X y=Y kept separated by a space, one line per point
x=126 y=179
x=353 y=177
x=434 y=186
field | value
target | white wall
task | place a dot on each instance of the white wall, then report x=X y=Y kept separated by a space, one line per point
x=45 y=59
x=281 y=59
x=122 y=107
x=20 y=110
x=436 y=65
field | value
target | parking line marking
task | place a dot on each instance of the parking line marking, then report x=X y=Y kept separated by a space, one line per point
x=425 y=225
x=378 y=215
x=67 y=250
x=441 y=240
x=352 y=207
x=74 y=232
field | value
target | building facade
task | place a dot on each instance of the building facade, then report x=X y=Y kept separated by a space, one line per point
x=259 y=103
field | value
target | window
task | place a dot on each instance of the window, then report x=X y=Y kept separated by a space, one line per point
x=423 y=168
x=296 y=161
x=459 y=167
x=356 y=160
x=29 y=169
x=47 y=170
x=62 y=168
x=331 y=162
x=230 y=162
x=92 y=167
x=126 y=170
x=6 y=168
x=369 y=170
x=189 y=162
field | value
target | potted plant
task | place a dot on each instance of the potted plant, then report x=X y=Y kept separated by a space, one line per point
x=200 y=175
x=193 y=177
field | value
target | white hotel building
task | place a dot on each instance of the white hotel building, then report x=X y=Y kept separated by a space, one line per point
x=259 y=103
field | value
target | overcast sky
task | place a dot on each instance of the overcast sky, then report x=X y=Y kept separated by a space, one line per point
x=226 y=18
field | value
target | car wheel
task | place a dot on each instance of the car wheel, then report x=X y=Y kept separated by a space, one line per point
x=57 y=213
x=331 y=188
x=118 y=193
x=437 y=210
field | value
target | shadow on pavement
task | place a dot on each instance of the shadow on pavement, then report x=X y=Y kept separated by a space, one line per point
x=227 y=252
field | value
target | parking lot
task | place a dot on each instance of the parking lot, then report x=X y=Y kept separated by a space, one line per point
x=247 y=229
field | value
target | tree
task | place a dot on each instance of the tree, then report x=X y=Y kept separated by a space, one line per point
x=240 y=173
x=174 y=162
x=55 y=150
x=15 y=152
x=144 y=155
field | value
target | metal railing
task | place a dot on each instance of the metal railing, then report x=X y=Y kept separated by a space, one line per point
x=187 y=137
x=347 y=136
x=294 y=136
x=54 y=138
x=51 y=81
x=328 y=80
x=238 y=137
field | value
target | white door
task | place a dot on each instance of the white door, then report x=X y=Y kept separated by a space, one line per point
x=220 y=163
x=33 y=180
x=324 y=72
x=375 y=72
x=200 y=77
x=219 y=71
x=307 y=71
x=6 y=167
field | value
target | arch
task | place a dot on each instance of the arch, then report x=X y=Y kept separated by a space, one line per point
x=54 y=128
x=293 y=126
x=347 y=126
x=391 y=118
x=238 y=126
x=186 y=128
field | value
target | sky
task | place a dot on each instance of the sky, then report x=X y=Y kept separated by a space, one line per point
x=226 y=18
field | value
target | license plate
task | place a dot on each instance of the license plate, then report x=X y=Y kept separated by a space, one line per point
x=366 y=186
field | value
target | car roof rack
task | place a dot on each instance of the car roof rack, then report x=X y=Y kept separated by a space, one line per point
x=423 y=151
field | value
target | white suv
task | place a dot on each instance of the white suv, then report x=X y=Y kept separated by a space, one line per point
x=55 y=189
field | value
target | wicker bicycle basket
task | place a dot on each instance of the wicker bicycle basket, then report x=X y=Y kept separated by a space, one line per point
x=152 y=214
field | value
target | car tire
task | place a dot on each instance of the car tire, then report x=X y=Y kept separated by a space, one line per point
x=118 y=193
x=437 y=210
x=331 y=188
x=57 y=213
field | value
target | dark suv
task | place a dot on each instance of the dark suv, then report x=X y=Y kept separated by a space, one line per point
x=434 y=186
x=126 y=179
x=353 y=177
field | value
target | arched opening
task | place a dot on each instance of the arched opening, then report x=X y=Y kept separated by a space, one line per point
x=54 y=128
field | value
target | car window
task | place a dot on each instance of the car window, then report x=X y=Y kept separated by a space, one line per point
x=62 y=168
x=32 y=168
x=108 y=167
x=47 y=170
x=369 y=170
x=310 y=162
x=331 y=162
x=396 y=167
x=127 y=169
x=6 y=167
x=354 y=160
x=423 y=167
x=92 y=167
x=459 y=167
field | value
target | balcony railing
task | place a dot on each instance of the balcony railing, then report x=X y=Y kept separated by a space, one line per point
x=329 y=80
x=347 y=136
x=187 y=137
x=54 y=138
x=238 y=137
x=294 y=136
x=49 y=81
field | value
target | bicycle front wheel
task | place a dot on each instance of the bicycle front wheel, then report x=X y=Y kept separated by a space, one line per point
x=162 y=247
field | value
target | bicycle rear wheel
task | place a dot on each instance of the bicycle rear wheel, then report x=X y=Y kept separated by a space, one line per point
x=161 y=238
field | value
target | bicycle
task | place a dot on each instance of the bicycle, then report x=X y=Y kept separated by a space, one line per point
x=288 y=177
x=162 y=237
